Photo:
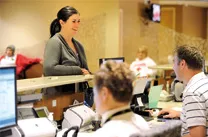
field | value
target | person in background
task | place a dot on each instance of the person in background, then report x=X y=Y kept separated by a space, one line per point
x=188 y=63
x=142 y=62
x=112 y=94
x=140 y=68
x=177 y=88
x=21 y=61
x=9 y=58
x=64 y=55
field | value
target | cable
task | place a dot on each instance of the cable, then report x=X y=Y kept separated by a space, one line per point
x=76 y=128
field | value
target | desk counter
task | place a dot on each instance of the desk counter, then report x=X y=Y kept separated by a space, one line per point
x=170 y=104
x=173 y=105
x=167 y=66
x=162 y=67
x=44 y=82
x=60 y=100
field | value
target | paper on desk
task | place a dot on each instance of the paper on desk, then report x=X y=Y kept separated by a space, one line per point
x=27 y=105
x=139 y=101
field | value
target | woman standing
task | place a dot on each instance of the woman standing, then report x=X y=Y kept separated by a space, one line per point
x=63 y=54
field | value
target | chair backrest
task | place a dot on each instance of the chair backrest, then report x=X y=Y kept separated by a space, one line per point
x=171 y=128
x=34 y=71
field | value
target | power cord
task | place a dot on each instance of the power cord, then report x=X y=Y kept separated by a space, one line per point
x=76 y=128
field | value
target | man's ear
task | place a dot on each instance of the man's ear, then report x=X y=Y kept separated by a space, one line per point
x=183 y=63
x=105 y=93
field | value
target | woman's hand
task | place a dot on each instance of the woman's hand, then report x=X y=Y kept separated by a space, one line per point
x=84 y=71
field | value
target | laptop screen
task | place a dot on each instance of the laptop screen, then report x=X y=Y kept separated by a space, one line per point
x=117 y=59
x=8 y=106
x=139 y=86
x=154 y=95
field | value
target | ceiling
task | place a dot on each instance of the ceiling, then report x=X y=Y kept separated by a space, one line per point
x=197 y=3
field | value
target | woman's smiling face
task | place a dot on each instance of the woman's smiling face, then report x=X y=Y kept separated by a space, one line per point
x=72 y=24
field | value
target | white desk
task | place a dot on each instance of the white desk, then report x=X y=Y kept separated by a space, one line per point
x=173 y=105
x=163 y=67
x=44 y=82
x=170 y=104
x=168 y=66
x=29 y=85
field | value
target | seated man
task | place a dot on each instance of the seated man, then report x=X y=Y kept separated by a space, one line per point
x=21 y=61
x=188 y=63
x=112 y=95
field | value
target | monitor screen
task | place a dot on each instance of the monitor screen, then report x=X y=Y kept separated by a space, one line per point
x=42 y=112
x=155 y=12
x=8 y=107
x=118 y=59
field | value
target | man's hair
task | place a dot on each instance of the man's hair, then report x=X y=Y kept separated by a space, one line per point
x=118 y=78
x=193 y=56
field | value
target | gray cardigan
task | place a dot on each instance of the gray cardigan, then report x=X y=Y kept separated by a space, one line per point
x=59 y=59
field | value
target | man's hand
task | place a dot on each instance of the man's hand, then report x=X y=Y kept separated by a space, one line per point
x=171 y=113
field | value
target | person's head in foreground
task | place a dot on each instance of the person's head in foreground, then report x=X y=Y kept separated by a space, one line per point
x=142 y=52
x=113 y=86
x=188 y=61
x=10 y=50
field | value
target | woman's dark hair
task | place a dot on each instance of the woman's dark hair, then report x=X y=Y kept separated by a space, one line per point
x=64 y=15
x=118 y=78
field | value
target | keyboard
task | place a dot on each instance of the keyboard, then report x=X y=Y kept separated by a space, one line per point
x=148 y=118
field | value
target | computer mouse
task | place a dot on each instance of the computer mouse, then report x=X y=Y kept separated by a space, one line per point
x=155 y=112
x=161 y=115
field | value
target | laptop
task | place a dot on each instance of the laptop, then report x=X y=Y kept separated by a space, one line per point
x=138 y=91
x=117 y=59
x=139 y=86
x=153 y=96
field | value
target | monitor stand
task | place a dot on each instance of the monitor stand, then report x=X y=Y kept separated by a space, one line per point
x=12 y=132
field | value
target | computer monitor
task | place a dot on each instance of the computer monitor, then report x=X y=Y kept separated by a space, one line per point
x=8 y=106
x=117 y=59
